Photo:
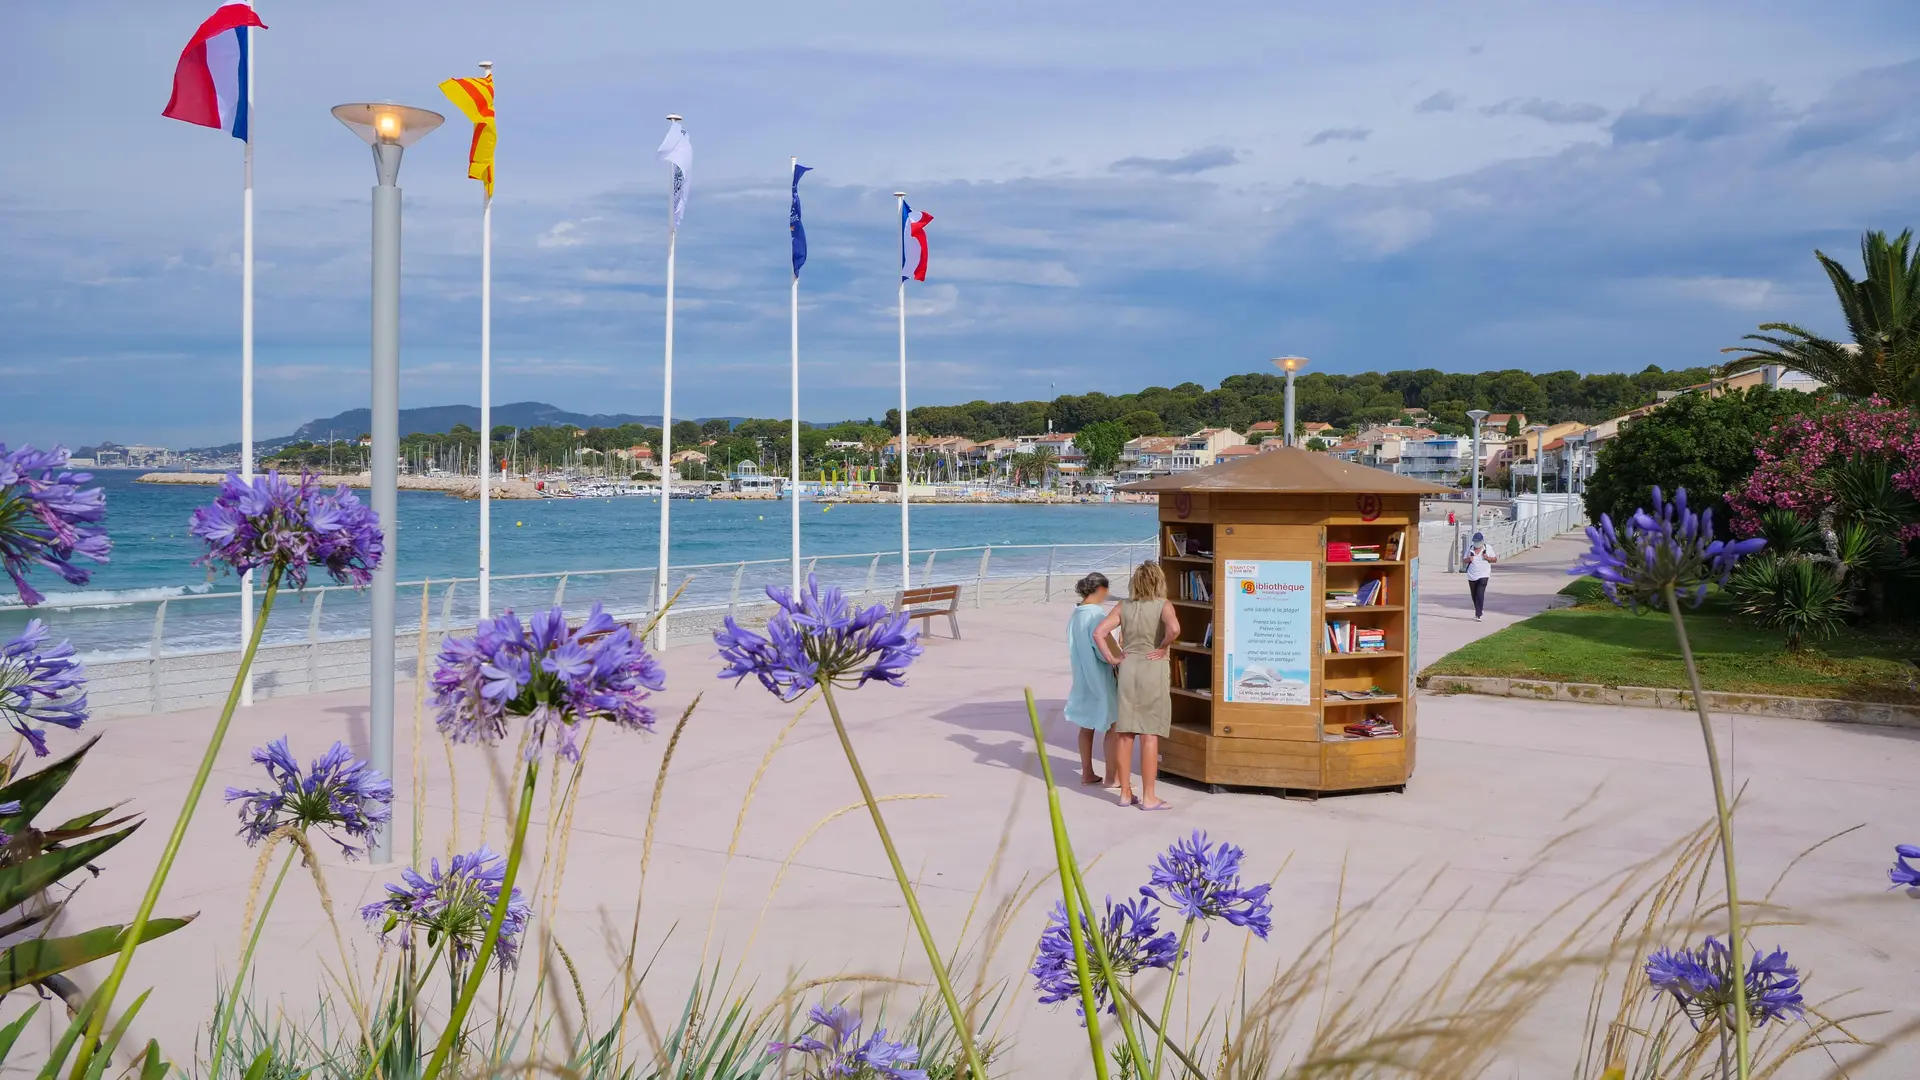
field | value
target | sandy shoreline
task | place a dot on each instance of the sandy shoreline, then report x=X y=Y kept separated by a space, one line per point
x=456 y=486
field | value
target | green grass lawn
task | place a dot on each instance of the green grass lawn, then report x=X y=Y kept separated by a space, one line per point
x=1595 y=642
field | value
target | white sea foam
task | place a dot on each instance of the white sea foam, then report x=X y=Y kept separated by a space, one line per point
x=108 y=598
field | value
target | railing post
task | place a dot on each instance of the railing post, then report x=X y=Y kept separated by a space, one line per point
x=153 y=657
x=980 y=583
x=733 y=598
x=446 y=606
x=313 y=641
x=560 y=591
x=1051 y=549
x=873 y=568
x=812 y=564
x=926 y=575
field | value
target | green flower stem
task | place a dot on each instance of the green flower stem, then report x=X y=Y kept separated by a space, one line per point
x=961 y=1026
x=1166 y=1007
x=1070 y=902
x=413 y=994
x=478 y=973
x=138 y=927
x=1172 y=1047
x=1736 y=945
x=246 y=961
x=1071 y=867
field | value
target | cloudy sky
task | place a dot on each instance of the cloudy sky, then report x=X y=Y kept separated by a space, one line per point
x=1125 y=194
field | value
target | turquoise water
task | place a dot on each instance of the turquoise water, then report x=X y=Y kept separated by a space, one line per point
x=439 y=538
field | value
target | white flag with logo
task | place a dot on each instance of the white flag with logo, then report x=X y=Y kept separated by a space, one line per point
x=677 y=149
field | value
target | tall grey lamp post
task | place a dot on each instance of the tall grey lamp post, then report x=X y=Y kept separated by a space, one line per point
x=1539 y=470
x=1479 y=418
x=389 y=129
x=1290 y=365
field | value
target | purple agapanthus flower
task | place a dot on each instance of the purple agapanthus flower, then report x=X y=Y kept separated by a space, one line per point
x=1700 y=981
x=46 y=518
x=843 y=1055
x=553 y=675
x=454 y=906
x=1201 y=880
x=818 y=637
x=40 y=684
x=1904 y=874
x=337 y=795
x=1666 y=547
x=1131 y=932
x=270 y=522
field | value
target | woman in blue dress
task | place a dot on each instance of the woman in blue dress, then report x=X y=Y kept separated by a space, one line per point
x=1093 y=704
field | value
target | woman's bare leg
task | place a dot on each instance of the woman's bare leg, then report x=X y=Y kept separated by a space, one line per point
x=1122 y=766
x=1109 y=754
x=1087 y=775
x=1149 y=772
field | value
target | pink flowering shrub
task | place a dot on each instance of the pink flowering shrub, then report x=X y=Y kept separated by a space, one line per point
x=1791 y=457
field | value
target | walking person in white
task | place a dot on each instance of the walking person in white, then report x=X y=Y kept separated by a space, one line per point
x=1478 y=562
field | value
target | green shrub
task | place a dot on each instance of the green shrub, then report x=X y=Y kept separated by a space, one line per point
x=1797 y=595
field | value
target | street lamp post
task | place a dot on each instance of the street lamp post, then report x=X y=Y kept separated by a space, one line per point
x=1479 y=417
x=1290 y=365
x=389 y=129
x=1539 y=470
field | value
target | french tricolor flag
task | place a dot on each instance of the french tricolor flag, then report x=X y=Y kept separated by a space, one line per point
x=913 y=231
x=210 y=84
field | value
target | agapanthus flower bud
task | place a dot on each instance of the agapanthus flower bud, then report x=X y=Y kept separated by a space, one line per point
x=339 y=794
x=46 y=518
x=818 y=637
x=1701 y=982
x=40 y=684
x=844 y=1054
x=268 y=522
x=553 y=675
x=1666 y=547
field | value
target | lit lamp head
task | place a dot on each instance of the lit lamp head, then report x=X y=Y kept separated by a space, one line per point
x=1290 y=364
x=389 y=129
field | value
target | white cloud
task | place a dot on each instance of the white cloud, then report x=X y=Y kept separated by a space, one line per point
x=1391 y=229
x=566 y=234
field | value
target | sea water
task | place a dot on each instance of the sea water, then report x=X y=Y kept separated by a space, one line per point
x=438 y=538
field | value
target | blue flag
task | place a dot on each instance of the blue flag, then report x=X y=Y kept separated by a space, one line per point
x=799 y=231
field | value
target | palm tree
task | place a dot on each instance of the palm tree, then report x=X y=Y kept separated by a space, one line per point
x=1883 y=317
x=1042 y=459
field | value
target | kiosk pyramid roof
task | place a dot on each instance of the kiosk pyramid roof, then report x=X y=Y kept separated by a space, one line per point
x=1301 y=472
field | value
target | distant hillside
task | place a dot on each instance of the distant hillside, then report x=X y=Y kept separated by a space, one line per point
x=433 y=419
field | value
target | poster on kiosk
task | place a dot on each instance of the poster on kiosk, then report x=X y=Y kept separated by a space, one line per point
x=1269 y=632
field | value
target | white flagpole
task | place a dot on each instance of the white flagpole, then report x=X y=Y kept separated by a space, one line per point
x=794 y=450
x=246 y=353
x=906 y=546
x=666 y=430
x=486 y=394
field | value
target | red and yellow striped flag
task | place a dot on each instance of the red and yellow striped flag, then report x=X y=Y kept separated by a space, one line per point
x=475 y=98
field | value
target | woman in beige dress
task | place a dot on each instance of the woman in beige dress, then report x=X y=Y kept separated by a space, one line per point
x=1147 y=628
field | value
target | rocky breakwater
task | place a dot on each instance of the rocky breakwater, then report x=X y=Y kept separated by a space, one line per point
x=460 y=487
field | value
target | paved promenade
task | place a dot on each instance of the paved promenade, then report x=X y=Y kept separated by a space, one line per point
x=1498 y=779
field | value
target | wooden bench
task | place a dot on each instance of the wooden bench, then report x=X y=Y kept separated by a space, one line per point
x=924 y=604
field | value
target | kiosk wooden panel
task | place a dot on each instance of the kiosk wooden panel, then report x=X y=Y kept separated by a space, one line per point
x=1290 y=505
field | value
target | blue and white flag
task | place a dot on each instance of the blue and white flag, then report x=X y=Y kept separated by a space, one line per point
x=677 y=149
x=798 y=230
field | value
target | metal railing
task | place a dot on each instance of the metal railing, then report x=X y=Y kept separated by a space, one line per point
x=151 y=655
x=1505 y=537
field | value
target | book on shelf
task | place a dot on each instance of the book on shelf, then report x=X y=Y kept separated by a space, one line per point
x=1356 y=695
x=1206 y=639
x=1398 y=545
x=1373 y=727
x=1179 y=541
x=1364 y=552
x=1347 y=637
x=1338 y=551
x=1197 y=586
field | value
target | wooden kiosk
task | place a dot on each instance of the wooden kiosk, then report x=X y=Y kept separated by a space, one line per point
x=1296 y=580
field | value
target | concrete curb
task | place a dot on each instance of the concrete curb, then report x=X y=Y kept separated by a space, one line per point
x=1830 y=710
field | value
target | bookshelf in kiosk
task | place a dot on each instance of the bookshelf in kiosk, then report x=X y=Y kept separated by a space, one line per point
x=1351 y=536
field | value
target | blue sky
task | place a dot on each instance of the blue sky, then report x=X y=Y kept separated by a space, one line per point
x=1125 y=194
